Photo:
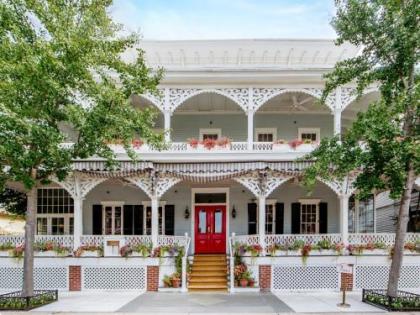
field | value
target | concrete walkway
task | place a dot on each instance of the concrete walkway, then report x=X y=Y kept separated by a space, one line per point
x=206 y=303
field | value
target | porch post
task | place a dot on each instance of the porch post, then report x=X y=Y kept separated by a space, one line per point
x=78 y=222
x=337 y=122
x=344 y=218
x=250 y=115
x=167 y=125
x=155 y=220
x=261 y=222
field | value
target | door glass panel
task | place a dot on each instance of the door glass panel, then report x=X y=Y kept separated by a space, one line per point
x=218 y=218
x=118 y=220
x=108 y=220
x=202 y=221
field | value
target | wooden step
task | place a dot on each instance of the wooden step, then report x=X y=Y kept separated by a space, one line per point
x=197 y=279
x=209 y=273
x=209 y=268
x=207 y=286
x=209 y=258
x=209 y=263
x=207 y=290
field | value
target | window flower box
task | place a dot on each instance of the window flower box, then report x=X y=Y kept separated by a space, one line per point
x=305 y=147
x=375 y=252
x=5 y=253
x=47 y=253
x=281 y=146
x=90 y=253
x=323 y=252
x=279 y=253
x=297 y=252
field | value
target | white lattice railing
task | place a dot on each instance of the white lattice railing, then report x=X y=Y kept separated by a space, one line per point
x=92 y=240
x=64 y=240
x=385 y=238
x=245 y=239
x=171 y=240
x=263 y=146
x=137 y=239
x=312 y=239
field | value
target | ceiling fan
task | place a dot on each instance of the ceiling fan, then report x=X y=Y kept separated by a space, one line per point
x=298 y=105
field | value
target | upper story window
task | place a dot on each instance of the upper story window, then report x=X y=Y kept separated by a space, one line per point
x=266 y=134
x=212 y=133
x=312 y=134
x=55 y=209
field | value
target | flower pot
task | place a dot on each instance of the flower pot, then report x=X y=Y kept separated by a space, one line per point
x=281 y=147
x=243 y=283
x=176 y=283
x=251 y=283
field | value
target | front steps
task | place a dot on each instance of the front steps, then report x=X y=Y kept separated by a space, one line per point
x=209 y=273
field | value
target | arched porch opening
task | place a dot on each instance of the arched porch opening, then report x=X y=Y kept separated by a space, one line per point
x=209 y=114
x=292 y=115
x=140 y=102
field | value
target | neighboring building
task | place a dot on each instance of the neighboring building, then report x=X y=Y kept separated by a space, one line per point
x=239 y=113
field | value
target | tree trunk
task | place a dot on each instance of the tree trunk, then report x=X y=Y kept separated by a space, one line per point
x=28 y=258
x=403 y=217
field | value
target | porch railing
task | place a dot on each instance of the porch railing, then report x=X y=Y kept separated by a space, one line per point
x=312 y=239
x=385 y=238
x=63 y=240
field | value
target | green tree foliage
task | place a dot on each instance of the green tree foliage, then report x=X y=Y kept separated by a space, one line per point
x=61 y=65
x=13 y=201
x=383 y=143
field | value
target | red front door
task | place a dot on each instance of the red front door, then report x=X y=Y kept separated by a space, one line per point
x=210 y=229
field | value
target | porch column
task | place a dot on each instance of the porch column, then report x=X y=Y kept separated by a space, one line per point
x=78 y=222
x=155 y=220
x=167 y=125
x=337 y=122
x=261 y=221
x=344 y=218
x=250 y=115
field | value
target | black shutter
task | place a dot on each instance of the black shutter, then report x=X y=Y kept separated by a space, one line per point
x=296 y=218
x=128 y=220
x=97 y=219
x=323 y=217
x=138 y=219
x=279 y=218
x=169 y=220
x=252 y=218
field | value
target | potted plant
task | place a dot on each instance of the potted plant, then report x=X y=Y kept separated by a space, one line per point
x=126 y=251
x=18 y=251
x=412 y=248
x=323 y=247
x=251 y=282
x=167 y=281
x=281 y=145
x=243 y=281
x=377 y=248
x=176 y=280
x=89 y=251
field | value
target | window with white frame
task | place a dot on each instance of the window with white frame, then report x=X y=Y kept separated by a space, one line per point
x=55 y=208
x=210 y=133
x=147 y=221
x=266 y=134
x=309 y=216
x=312 y=134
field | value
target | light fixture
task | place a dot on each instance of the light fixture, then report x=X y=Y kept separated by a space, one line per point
x=186 y=213
x=233 y=212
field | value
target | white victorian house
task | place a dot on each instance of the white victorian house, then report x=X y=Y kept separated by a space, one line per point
x=238 y=115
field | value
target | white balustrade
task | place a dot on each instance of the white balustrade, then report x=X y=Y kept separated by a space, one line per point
x=385 y=238
x=133 y=240
x=92 y=240
x=263 y=146
x=239 y=146
x=63 y=240
x=312 y=239
x=245 y=239
x=173 y=240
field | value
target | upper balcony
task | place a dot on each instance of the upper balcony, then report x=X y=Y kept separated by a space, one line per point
x=276 y=124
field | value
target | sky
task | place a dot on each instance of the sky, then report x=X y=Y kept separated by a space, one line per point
x=226 y=19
